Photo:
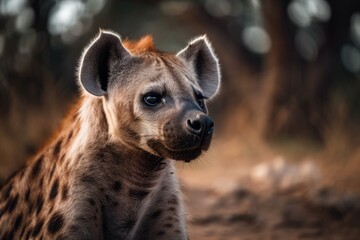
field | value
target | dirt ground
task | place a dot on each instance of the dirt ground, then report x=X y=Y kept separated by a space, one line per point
x=230 y=195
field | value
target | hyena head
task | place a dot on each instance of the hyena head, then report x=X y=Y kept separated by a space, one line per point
x=152 y=100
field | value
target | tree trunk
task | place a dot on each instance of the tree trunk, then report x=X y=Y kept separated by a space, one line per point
x=293 y=90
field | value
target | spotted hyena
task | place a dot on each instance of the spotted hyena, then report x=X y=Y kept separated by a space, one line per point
x=107 y=173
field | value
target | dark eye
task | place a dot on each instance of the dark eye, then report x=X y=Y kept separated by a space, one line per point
x=200 y=100
x=152 y=98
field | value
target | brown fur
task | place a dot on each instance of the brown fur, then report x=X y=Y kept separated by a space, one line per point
x=104 y=173
x=143 y=45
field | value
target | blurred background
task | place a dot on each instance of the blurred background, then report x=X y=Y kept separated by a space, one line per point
x=287 y=144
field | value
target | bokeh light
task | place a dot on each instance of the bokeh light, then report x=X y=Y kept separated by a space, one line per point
x=355 y=28
x=303 y=12
x=218 y=8
x=318 y=9
x=93 y=7
x=12 y=7
x=24 y=19
x=350 y=56
x=65 y=15
x=299 y=14
x=306 y=45
x=256 y=39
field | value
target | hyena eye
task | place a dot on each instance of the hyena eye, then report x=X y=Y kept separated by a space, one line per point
x=152 y=98
x=200 y=100
x=201 y=103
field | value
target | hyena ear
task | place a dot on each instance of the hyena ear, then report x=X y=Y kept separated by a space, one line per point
x=202 y=59
x=97 y=60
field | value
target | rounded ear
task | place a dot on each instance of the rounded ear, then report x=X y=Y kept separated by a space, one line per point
x=203 y=61
x=97 y=59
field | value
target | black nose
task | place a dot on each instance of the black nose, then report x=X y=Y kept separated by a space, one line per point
x=200 y=125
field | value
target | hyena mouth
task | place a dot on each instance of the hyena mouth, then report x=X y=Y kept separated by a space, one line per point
x=184 y=154
x=205 y=143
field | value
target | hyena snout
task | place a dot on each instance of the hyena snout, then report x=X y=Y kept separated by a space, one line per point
x=200 y=125
x=185 y=137
x=193 y=130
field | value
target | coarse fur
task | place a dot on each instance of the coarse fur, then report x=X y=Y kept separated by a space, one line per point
x=107 y=173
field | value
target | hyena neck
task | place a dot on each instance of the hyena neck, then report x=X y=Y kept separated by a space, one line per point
x=93 y=127
x=93 y=144
x=97 y=128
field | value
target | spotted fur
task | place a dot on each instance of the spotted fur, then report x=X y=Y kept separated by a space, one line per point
x=107 y=173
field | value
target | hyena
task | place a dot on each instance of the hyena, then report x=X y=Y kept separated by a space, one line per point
x=108 y=172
